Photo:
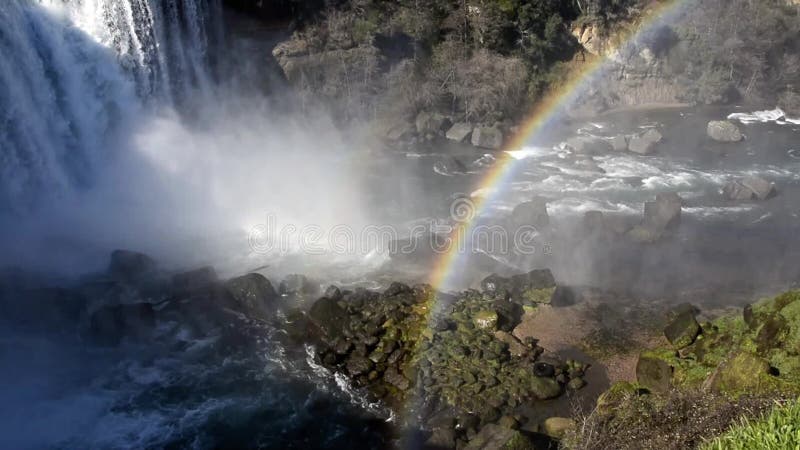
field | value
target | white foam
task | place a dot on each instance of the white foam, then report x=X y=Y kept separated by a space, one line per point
x=529 y=152
x=773 y=115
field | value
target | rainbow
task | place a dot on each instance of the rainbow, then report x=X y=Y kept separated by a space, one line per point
x=546 y=112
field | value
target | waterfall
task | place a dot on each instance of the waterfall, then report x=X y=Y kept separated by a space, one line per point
x=76 y=72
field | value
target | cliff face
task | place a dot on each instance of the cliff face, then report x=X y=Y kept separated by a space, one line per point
x=485 y=63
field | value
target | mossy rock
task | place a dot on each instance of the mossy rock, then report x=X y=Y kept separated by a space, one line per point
x=544 y=388
x=495 y=437
x=654 y=371
x=485 y=320
x=617 y=394
x=682 y=330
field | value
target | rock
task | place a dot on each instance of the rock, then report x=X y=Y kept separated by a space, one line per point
x=508 y=422
x=252 y=293
x=619 y=143
x=328 y=317
x=393 y=377
x=653 y=372
x=644 y=235
x=459 y=132
x=515 y=347
x=557 y=427
x=194 y=281
x=576 y=384
x=683 y=330
x=431 y=123
x=509 y=314
x=297 y=284
x=564 y=296
x=401 y=131
x=588 y=145
x=396 y=289
x=761 y=188
x=664 y=213
x=724 y=131
x=110 y=324
x=291 y=47
x=587 y=164
x=332 y=292
x=487 y=137
x=644 y=144
x=543 y=369
x=358 y=365
x=495 y=437
x=743 y=373
x=486 y=319
x=441 y=438
x=531 y=213
x=129 y=266
x=750 y=188
x=544 y=388
x=534 y=287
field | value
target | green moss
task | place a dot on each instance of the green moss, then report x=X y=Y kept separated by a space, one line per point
x=536 y=296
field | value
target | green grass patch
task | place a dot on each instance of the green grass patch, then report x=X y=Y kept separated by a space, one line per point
x=778 y=430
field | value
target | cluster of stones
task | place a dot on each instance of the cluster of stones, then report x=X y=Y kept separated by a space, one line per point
x=456 y=354
x=755 y=353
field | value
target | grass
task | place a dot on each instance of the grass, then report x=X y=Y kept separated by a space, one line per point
x=780 y=429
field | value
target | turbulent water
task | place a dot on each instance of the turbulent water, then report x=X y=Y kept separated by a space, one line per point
x=115 y=130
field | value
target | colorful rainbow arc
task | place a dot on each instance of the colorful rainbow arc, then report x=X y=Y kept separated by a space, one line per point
x=546 y=112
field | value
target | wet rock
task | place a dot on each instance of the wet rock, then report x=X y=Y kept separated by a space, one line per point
x=332 y=292
x=645 y=143
x=252 y=293
x=619 y=143
x=130 y=266
x=723 y=131
x=508 y=422
x=750 y=188
x=531 y=213
x=487 y=137
x=664 y=213
x=459 y=132
x=509 y=314
x=682 y=330
x=396 y=289
x=300 y=285
x=109 y=325
x=588 y=145
x=396 y=379
x=543 y=369
x=495 y=437
x=653 y=372
x=358 y=365
x=401 y=131
x=558 y=427
x=441 y=438
x=194 y=281
x=328 y=317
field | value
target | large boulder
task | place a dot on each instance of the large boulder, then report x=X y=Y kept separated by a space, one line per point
x=252 y=293
x=653 y=372
x=487 y=137
x=110 y=324
x=588 y=145
x=558 y=427
x=130 y=266
x=459 y=132
x=328 y=318
x=619 y=143
x=724 y=131
x=531 y=213
x=663 y=213
x=682 y=330
x=749 y=188
x=645 y=143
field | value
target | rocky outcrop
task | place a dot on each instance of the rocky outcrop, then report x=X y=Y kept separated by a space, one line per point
x=464 y=362
x=724 y=131
x=129 y=266
x=430 y=124
x=588 y=145
x=660 y=217
x=532 y=213
x=252 y=293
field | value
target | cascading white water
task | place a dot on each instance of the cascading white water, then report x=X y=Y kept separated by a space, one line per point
x=75 y=72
